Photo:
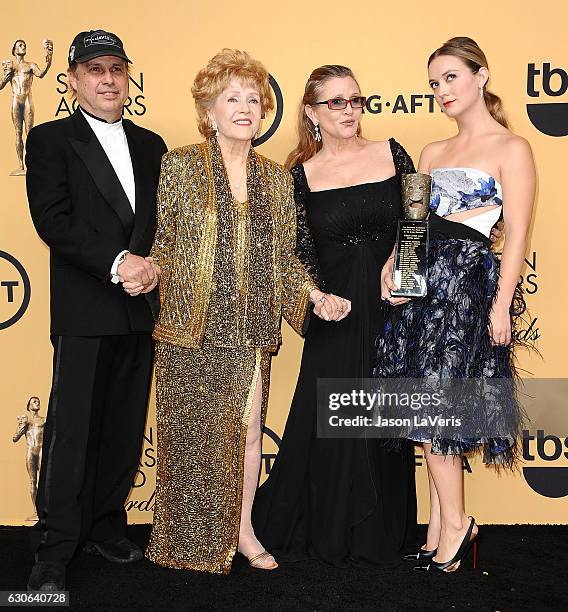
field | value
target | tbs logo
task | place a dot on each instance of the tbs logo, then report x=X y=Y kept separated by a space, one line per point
x=549 y=481
x=550 y=118
x=15 y=290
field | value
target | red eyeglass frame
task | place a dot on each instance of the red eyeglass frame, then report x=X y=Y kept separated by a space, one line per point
x=347 y=101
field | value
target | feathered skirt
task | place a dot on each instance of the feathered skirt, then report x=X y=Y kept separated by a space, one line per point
x=445 y=337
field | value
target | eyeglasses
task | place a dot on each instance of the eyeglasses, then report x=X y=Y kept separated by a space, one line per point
x=341 y=103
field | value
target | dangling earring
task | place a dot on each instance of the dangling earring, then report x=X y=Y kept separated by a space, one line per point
x=257 y=135
x=481 y=92
x=317 y=133
x=215 y=128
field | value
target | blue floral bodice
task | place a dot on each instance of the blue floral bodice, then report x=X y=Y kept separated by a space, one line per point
x=458 y=189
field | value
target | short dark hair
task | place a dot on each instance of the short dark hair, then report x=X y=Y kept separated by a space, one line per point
x=73 y=65
x=33 y=397
x=15 y=43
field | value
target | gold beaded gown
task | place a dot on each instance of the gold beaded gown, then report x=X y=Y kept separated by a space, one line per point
x=229 y=273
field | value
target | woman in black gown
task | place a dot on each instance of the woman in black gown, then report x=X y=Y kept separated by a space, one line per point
x=343 y=501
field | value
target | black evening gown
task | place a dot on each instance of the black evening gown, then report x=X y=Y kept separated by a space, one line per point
x=343 y=501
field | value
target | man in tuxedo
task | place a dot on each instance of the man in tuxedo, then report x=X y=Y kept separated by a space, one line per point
x=92 y=180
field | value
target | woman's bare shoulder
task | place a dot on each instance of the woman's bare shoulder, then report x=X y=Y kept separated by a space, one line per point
x=515 y=144
x=431 y=152
x=436 y=147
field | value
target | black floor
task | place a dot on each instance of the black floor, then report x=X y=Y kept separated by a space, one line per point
x=519 y=568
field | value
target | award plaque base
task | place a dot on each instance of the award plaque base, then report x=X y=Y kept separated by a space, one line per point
x=410 y=271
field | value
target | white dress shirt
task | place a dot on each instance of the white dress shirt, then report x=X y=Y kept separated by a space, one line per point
x=115 y=145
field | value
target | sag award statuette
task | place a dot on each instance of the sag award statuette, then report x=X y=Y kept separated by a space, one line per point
x=411 y=251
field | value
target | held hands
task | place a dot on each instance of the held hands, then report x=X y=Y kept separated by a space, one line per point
x=387 y=285
x=138 y=274
x=329 y=307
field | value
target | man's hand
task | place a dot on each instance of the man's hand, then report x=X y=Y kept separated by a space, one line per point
x=136 y=287
x=136 y=268
x=387 y=285
x=329 y=307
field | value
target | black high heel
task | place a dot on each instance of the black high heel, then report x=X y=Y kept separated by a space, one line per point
x=454 y=563
x=421 y=555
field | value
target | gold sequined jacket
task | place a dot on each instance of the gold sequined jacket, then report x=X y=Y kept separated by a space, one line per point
x=228 y=273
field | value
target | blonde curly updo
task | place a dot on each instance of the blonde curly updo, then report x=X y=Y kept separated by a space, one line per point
x=221 y=69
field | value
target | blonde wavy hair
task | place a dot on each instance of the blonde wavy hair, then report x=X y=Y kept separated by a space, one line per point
x=210 y=81
x=471 y=54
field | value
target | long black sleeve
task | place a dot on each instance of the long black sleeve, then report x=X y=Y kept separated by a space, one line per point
x=402 y=160
x=305 y=244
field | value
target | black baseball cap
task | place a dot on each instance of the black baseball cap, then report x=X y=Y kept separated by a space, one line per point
x=88 y=45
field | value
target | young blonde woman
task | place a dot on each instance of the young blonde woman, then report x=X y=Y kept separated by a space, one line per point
x=464 y=327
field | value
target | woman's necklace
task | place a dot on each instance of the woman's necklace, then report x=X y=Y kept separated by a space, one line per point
x=243 y=173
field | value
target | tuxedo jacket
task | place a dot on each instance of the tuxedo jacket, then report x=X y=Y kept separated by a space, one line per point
x=82 y=213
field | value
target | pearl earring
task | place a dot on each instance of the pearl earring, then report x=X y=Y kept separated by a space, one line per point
x=317 y=133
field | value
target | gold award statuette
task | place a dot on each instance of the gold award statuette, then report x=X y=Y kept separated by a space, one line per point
x=410 y=271
x=30 y=427
x=20 y=73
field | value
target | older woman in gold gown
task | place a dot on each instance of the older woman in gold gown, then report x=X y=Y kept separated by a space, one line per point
x=225 y=241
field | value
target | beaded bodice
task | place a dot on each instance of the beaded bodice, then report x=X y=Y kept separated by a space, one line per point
x=333 y=220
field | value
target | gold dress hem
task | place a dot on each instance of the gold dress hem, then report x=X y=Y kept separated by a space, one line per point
x=199 y=486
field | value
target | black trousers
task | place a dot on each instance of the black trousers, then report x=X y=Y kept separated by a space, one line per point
x=92 y=440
